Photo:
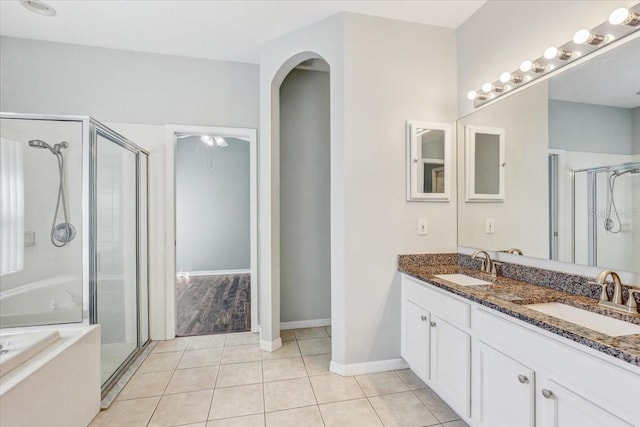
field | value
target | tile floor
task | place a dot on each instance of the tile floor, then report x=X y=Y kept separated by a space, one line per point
x=227 y=381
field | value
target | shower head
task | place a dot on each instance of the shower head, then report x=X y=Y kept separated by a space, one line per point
x=37 y=143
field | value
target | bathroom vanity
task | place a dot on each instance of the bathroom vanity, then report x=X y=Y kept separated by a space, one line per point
x=497 y=360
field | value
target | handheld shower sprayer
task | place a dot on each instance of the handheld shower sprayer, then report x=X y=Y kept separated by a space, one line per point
x=62 y=233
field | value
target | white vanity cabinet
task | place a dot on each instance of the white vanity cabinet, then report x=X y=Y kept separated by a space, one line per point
x=416 y=338
x=560 y=406
x=497 y=371
x=505 y=389
x=435 y=344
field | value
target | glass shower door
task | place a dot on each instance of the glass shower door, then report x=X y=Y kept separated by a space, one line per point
x=116 y=256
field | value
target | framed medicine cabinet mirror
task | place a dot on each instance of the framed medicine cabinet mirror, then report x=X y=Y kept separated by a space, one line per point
x=428 y=161
x=484 y=164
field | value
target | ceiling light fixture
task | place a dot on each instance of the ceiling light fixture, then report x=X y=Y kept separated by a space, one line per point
x=590 y=41
x=39 y=7
x=220 y=141
x=207 y=140
x=624 y=16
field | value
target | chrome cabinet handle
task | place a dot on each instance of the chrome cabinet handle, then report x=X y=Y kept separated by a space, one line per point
x=523 y=379
x=433 y=324
x=548 y=394
x=423 y=318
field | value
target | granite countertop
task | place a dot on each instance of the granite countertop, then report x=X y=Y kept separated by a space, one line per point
x=509 y=296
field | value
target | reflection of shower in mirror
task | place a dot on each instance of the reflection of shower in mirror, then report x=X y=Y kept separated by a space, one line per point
x=612 y=221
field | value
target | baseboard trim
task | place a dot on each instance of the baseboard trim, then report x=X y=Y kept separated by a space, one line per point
x=271 y=345
x=367 y=367
x=213 y=272
x=298 y=324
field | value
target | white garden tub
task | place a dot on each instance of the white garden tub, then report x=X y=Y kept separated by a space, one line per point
x=57 y=382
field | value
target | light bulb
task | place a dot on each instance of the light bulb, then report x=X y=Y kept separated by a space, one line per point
x=581 y=36
x=505 y=77
x=551 y=52
x=586 y=36
x=471 y=95
x=220 y=141
x=526 y=66
x=618 y=16
x=487 y=87
x=624 y=16
x=555 y=53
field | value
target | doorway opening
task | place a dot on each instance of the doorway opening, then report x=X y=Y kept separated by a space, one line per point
x=305 y=220
x=213 y=276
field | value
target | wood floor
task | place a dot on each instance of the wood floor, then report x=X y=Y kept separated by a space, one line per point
x=213 y=304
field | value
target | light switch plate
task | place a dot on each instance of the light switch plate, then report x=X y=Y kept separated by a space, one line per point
x=490 y=226
x=423 y=227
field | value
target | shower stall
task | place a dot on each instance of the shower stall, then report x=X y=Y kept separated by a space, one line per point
x=73 y=232
x=606 y=214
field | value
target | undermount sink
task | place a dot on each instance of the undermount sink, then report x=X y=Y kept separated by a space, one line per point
x=588 y=319
x=462 y=279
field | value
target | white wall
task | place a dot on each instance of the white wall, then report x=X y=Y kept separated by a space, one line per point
x=502 y=34
x=378 y=81
x=394 y=71
x=125 y=88
x=305 y=251
x=212 y=206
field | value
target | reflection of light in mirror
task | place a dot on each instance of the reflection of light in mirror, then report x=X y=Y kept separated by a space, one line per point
x=422 y=131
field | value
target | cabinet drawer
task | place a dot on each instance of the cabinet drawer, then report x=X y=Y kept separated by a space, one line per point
x=425 y=295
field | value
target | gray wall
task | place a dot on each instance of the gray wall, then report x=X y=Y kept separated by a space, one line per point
x=304 y=197
x=122 y=86
x=589 y=128
x=212 y=206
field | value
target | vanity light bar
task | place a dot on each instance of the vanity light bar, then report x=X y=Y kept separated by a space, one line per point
x=621 y=23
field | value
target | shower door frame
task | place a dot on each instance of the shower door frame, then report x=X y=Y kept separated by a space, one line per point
x=98 y=129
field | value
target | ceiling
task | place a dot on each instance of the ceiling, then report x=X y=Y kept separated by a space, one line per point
x=611 y=79
x=224 y=30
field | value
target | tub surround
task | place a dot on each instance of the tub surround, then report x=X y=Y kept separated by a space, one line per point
x=520 y=285
x=60 y=386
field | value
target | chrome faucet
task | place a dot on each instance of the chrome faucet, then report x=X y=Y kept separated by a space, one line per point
x=616 y=302
x=514 y=251
x=487 y=263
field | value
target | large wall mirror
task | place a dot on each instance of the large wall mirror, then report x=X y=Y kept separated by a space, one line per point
x=572 y=166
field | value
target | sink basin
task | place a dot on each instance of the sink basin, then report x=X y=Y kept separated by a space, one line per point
x=462 y=279
x=588 y=319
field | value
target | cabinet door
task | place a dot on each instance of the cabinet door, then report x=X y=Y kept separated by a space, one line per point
x=505 y=390
x=561 y=407
x=415 y=338
x=451 y=364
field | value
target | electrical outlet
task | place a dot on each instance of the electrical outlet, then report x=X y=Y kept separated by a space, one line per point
x=490 y=226
x=422 y=227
